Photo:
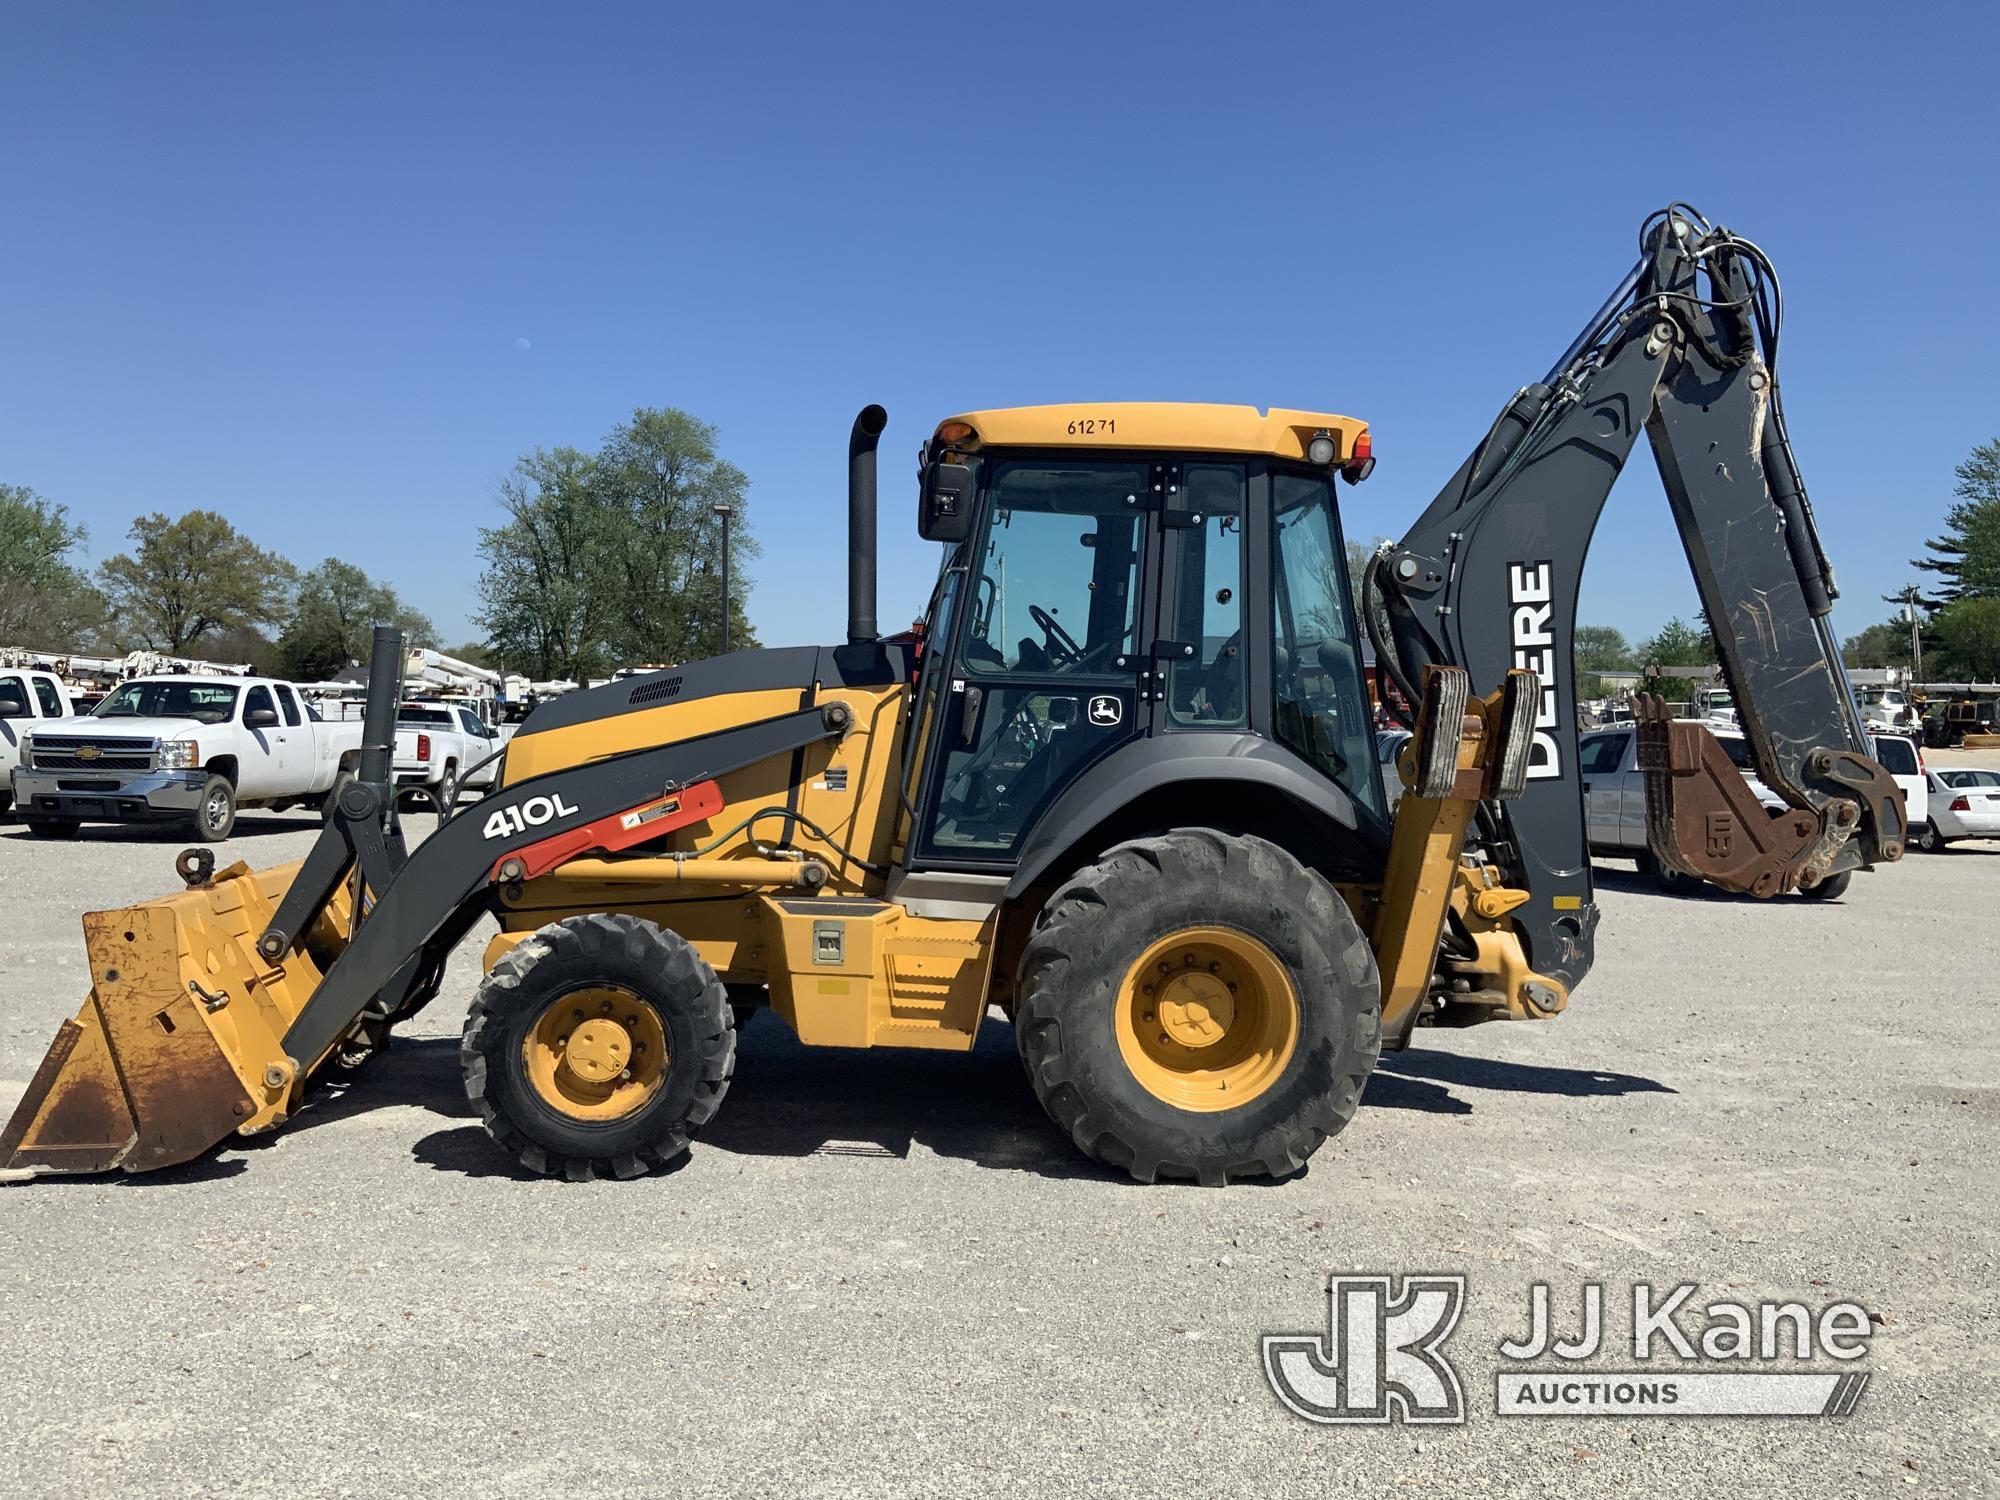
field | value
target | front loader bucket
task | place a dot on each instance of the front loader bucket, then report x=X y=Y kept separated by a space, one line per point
x=181 y=1041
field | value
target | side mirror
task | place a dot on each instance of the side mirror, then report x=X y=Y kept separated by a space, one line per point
x=945 y=511
x=13 y=708
x=261 y=718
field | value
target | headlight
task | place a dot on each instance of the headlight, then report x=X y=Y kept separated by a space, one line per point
x=179 y=755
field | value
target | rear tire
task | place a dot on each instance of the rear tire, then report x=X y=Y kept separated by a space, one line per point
x=1928 y=838
x=6 y=805
x=215 y=817
x=1256 y=921
x=53 y=828
x=1830 y=889
x=1665 y=877
x=554 y=1106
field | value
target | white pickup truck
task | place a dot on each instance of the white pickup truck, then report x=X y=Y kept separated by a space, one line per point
x=439 y=748
x=26 y=698
x=183 y=750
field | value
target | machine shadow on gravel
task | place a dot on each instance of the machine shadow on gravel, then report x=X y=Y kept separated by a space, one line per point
x=1426 y=1080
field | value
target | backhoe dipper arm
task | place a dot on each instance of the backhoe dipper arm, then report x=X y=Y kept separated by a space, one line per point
x=1487 y=580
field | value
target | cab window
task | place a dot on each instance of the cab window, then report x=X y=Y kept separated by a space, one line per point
x=1319 y=706
x=51 y=700
x=1895 y=755
x=1601 y=754
x=1208 y=688
x=1055 y=577
x=289 y=704
x=257 y=698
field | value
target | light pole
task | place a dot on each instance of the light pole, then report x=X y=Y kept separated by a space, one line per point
x=1916 y=640
x=725 y=512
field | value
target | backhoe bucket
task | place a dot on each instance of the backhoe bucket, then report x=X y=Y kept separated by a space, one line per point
x=181 y=1041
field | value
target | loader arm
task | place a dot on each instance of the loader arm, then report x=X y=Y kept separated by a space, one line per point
x=211 y=1008
x=1487 y=578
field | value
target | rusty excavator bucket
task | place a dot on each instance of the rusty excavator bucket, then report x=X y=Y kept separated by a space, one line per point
x=181 y=1041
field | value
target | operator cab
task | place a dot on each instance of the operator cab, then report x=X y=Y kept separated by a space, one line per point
x=1126 y=586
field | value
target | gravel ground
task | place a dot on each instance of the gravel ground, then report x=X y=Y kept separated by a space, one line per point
x=886 y=1274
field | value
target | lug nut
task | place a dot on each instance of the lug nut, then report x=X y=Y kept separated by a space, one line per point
x=1163 y=1036
x=1148 y=1016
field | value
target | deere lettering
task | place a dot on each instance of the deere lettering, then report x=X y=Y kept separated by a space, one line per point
x=1531 y=610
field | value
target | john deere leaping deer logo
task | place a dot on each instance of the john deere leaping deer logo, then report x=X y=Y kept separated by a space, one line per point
x=1106 y=709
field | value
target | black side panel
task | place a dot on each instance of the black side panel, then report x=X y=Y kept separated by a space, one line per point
x=873 y=664
x=738 y=672
x=1145 y=765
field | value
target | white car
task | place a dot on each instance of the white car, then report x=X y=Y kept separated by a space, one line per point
x=1964 y=804
x=181 y=750
x=26 y=698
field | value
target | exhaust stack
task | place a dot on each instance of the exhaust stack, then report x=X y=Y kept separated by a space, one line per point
x=868 y=425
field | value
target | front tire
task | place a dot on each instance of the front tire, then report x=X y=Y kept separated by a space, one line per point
x=215 y=816
x=1198 y=1005
x=602 y=1043
x=53 y=828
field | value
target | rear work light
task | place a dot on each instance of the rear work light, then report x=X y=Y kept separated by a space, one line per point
x=1361 y=462
x=423 y=747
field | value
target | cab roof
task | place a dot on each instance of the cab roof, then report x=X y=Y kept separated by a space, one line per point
x=1192 y=426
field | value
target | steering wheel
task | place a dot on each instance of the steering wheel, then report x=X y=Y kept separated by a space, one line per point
x=1062 y=645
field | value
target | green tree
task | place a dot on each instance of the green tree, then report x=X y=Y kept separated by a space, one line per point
x=475 y=652
x=1966 y=559
x=1968 y=633
x=547 y=570
x=45 y=599
x=1598 y=649
x=1677 y=644
x=193 y=577
x=333 y=616
x=1884 y=645
x=614 y=558
x=658 y=480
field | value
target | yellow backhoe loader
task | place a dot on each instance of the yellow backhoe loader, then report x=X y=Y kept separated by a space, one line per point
x=1120 y=782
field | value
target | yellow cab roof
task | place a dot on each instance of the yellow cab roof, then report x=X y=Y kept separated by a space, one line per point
x=1154 y=425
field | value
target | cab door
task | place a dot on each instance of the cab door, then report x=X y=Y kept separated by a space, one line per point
x=1050 y=664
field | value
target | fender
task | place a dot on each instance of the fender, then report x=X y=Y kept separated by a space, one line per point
x=1145 y=765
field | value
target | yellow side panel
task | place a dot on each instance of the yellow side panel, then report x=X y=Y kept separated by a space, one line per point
x=898 y=980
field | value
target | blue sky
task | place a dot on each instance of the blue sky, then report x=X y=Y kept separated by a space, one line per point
x=330 y=269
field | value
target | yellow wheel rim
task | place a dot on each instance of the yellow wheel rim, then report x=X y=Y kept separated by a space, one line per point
x=1207 y=1019
x=596 y=1054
